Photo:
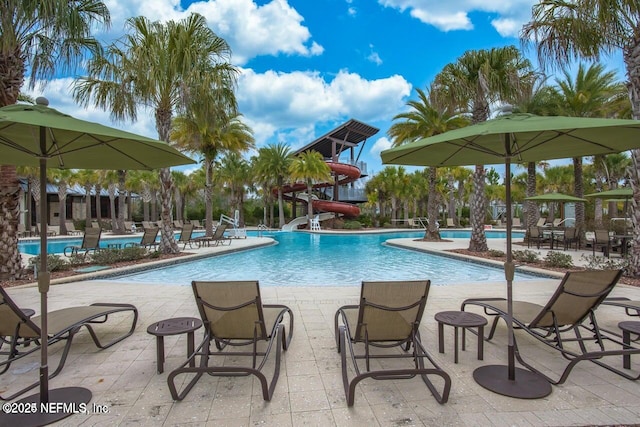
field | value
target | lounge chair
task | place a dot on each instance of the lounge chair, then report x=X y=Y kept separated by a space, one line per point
x=568 y=238
x=572 y=308
x=602 y=241
x=71 y=228
x=632 y=308
x=186 y=236
x=541 y=222
x=148 y=224
x=388 y=316
x=129 y=227
x=450 y=223
x=148 y=239
x=515 y=222
x=90 y=242
x=233 y=315
x=218 y=237
x=196 y=224
x=17 y=329
x=178 y=225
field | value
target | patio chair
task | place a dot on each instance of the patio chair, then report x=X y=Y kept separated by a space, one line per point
x=571 y=309
x=631 y=308
x=233 y=315
x=568 y=238
x=148 y=239
x=602 y=241
x=186 y=236
x=535 y=235
x=450 y=223
x=541 y=222
x=218 y=237
x=129 y=227
x=90 y=242
x=148 y=224
x=178 y=224
x=387 y=317
x=17 y=330
x=71 y=228
x=515 y=222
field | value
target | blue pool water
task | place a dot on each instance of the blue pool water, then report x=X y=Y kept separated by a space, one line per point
x=304 y=259
x=57 y=245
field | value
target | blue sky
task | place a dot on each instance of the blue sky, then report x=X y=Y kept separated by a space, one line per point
x=309 y=65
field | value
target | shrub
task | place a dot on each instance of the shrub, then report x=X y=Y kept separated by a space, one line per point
x=526 y=256
x=602 y=263
x=558 y=259
x=496 y=253
x=111 y=256
x=352 y=225
x=54 y=262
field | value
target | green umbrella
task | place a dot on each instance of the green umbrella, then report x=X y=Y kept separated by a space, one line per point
x=555 y=197
x=519 y=138
x=36 y=135
x=623 y=193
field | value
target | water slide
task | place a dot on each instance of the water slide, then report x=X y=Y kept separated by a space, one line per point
x=346 y=174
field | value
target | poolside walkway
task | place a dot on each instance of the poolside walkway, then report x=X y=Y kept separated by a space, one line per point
x=309 y=391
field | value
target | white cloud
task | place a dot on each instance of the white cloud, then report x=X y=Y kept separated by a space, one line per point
x=285 y=106
x=374 y=56
x=273 y=28
x=380 y=145
x=454 y=14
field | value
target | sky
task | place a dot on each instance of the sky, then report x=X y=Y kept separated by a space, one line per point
x=307 y=66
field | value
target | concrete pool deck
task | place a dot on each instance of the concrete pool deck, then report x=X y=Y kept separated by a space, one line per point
x=123 y=378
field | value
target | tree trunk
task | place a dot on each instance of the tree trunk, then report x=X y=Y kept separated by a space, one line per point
x=634 y=266
x=309 y=204
x=208 y=199
x=533 y=214
x=87 y=204
x=10 y=260
x=478 y=242
x=432 y=233
x=452 y=200
x=599 y=176
x=168 y=244
x=98 y=189
x=112 y=206
x=579 y=192
x=122 y=176
x=62 y=207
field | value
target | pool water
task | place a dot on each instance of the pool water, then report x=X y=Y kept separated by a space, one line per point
x=304 y=259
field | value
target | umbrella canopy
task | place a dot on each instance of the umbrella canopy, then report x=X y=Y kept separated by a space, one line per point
x=71 y=143
x=555 y=197
x=615 y=194
x=517 y=138
x=36 y=135
x=533 y=138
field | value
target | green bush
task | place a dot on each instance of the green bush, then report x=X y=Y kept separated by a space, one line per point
x=526 y=256
x=54 y=263
x=352 y=225
x=603 y=263
x=496 y=253
x=558 y=259
x=112 y=256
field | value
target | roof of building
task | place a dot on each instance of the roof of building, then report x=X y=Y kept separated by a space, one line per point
x=347 y=135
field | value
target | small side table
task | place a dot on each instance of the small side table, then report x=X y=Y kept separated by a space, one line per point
x=179 y=325
x=464 y=320
x=628 y=328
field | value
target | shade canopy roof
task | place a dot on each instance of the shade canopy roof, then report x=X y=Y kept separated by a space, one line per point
x=555 y=197
x=76 y=144
x=347 y=135
x=530 y=138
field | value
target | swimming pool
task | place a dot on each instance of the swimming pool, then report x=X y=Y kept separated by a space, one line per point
x=57 y=245
x=304 y=259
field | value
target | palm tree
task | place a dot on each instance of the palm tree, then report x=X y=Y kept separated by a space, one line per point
x=40 y=36
x=235 y=173
x=425 y=118
x=87 y=179
x=167 y=66
x=273 y=163
x=309 y=166
x=592 y=93
x=33 y=185
x=475 y=81
x=565 y=31
x=61 y=177
x=208 y=134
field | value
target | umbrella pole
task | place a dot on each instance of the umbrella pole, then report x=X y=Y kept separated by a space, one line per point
x=509 y=380
x=50 y=405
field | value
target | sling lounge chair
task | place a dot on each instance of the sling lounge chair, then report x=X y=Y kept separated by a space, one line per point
x=148 y=224
x=90 y=242
x=233 y=315
x=196 y=224
x=541 y=222
x=17 y=329
x=185 y=236
x=450 y=223
x=632 y=308
x=148 y=239
x=387 y=317
x=218 y=237
x=71 y=228
x=571 y=309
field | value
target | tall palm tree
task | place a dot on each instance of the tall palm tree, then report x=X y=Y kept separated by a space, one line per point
x=32 y=175
x=309 y=166
x=208 y=133
x=41 y=36
x=592 y=93
x=235 y=174
x=475 y=81
x=87 y=179
x=273 y=163
x=565 y=31
x=61 y=177
x=426 y=118
x=166 y=66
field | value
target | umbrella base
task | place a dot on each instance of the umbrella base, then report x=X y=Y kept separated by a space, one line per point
x=63 y=402
x=527 y=384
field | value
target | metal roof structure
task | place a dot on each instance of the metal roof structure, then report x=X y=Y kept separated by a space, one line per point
x=347 y=135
